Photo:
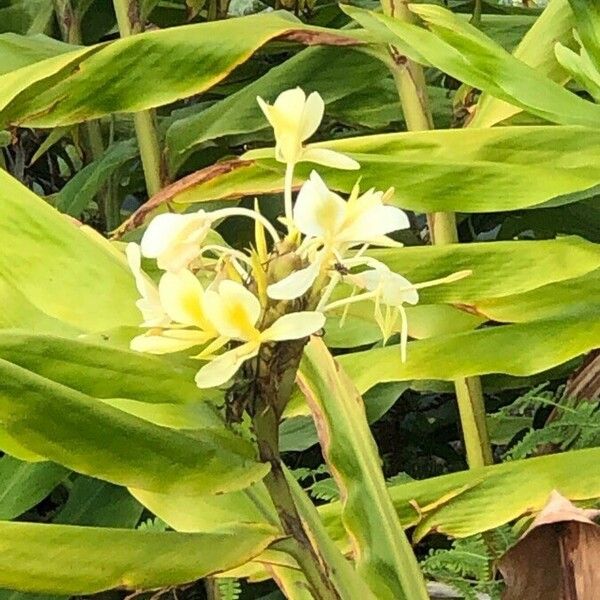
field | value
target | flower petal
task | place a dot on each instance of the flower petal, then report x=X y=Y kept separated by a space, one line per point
x=174 y=239
x=329 y=158
x=291 y=103
x=373 y=223
x=285 y=116
x=294 y=326
x=233 y=310
x=395 y=289
x=149 y=304
x=318 y=212
x=296 y=284
x=312 y=115
x=222 y=369
x=181 y=295
x=170 y=340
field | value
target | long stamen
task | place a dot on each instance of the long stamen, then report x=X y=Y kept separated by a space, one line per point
x=351 y=300
x=347 y=308
x=227 y=251
x=287 y=195
x=333 y=281
x=403 y=333
x=449 y=279
x=246 y=212
x=215 y=345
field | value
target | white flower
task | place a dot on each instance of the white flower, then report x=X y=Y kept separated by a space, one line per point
x=182 y=298
x=393 y=288
x=294 y=119
x=149 y=304
x=323 y=214
x=393 y=291
x=335 y=225
x=174 y=239
x=235 y=312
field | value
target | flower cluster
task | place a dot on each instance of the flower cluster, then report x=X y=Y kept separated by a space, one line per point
x=228 y=303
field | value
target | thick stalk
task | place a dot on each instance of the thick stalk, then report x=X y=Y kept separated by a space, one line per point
x=130 y=23
x=299 y=546
x=412 y=91
x=477 y=10
x=471 y=408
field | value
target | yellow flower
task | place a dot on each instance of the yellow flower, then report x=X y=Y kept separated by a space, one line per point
x=335 y=225
x=235 y=312
x=294 y=119
x=149 y=304
x=174 y=240
x=182 y=298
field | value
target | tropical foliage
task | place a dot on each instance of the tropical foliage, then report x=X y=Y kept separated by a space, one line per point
x=297 y=300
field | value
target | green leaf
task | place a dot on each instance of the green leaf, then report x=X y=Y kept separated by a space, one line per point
x=498 y=169
x=97 y=503
x=499 y=268
x=18 y=51
x=239 y=113
x=461 y=50
x=26 y=484
x=459 y=504
x=53 y=275
x=113 y=77
x=536 y=49
x=581 y=68
x=81 y=189
x=95 y=439
x=26 y=16
x=100 y=370
x=383 y=556
x=555 y=300
x=587 y=21
x=470 y=502
x=299 y=433
x=519 y=349
x=63 y=559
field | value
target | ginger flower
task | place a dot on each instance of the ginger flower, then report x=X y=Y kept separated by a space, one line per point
x=149 y=304
x=235 y=312
x=332 y=226
x=392 y=291
x=294 y=119
x=182 y=298
x=175 y=240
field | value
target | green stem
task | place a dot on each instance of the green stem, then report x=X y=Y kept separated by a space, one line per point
x=299 y=546
x=410 y=83
x=477 y=10
x=145 y=129
x=471 y=408
x=130 y=23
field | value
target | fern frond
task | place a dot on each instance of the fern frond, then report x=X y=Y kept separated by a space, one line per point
x=153 y=524
x=229 y=589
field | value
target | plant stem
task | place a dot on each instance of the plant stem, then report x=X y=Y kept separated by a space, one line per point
x=266 y=429
x=145 y=129
x=130 y=23
x=412 y=91
x=471 y=407
x=477 y=10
